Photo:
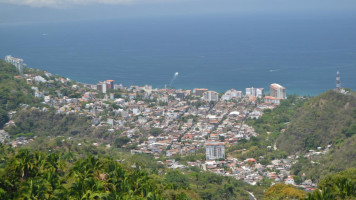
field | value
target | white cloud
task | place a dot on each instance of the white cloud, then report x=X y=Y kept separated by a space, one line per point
x=67 y=3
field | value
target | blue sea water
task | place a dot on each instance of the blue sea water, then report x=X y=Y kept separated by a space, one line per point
x=218 y=53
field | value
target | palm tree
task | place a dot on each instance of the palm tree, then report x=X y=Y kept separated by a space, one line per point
x=324 y=194
x=35 y=188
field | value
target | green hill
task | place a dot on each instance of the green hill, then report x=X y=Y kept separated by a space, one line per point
x=62 y=161
x=13 y=92
x=329 y=118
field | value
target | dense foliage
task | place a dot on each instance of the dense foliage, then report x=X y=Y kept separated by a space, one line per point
x=327 y=118
x=268 y=127
x=13 y=92
x=334 y=186
x=29 y=122
x=341 y=185
x=36 y=175
x=28 y=174
x=283 y=191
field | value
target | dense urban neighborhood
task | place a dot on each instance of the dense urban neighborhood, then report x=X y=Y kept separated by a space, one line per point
x=234 y=135
x=179 y=122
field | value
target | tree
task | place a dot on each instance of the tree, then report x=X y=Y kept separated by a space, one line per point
x=298 y=179
x=4 y=118
x=283 y=191
x=156 y=131
x=120 y=141
x=176 y=179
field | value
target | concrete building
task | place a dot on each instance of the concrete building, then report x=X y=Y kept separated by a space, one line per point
x=277 y=94
x=211 y=96
x=231 y=94
x=260 y=92
x=180 y=95
x=17 y=62
x=277 y=91
x=215 y=150
x=102 y=87
x=273 y=100
x=255 y=92
x=109 y=84
x=99 y=87
x=250 y=92
x=199 y=91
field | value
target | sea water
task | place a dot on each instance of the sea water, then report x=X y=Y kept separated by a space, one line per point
x=214 y=52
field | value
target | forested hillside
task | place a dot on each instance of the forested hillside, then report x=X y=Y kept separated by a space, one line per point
x=340 y=185
x=27 y=174
x=329 y=118
x=33 y=122
x=13 y=92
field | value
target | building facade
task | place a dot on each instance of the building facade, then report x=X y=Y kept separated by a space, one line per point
x=211 y=96
x=255 y=92
x=109 y=84
x=17 y=62
x=215 y=150
x=277 y=91
x=199 y=91
x=231 y=94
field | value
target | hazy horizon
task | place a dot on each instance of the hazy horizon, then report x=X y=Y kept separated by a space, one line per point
x=38 y=11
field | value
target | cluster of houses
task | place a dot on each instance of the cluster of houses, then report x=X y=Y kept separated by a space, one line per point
x=169 y=122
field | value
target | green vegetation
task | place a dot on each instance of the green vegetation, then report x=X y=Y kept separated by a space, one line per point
x=329 y=118
x=4 y=118
x=27 y=174
x=35 y=175
x=268 y=127
x=337 y=186
x=274 y=121
x=69 y=159
x=156 y=131
x=13 y=92
x=121 y=141
x=326 y=119
x=283 y=191
x=48 y=124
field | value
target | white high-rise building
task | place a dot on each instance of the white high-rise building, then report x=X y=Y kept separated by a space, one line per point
x=255 y=92
x=231 y=94
x=251 y=92
x=277 y=91
x=17 y=62
x=104 y=87
x=211 y=96
x=277 y=94
x=260 y=92
x=215 y=150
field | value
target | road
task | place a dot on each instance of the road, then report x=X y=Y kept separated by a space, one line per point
x=252 y=197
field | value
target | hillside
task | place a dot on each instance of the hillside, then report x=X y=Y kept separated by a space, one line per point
x=60 y=155
x=13 y=92
x=329 y=118
x=27 y=174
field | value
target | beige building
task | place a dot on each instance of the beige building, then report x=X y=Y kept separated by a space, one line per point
x=215 y=150
x=211 y=96
x=277 y=91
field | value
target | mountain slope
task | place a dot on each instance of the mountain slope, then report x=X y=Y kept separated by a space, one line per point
x=13 y=92
x=329 y=118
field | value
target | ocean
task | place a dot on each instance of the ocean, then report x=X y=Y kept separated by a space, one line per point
x=214 y=52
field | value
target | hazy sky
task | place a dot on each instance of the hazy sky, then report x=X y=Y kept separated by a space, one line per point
x=20 y=11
